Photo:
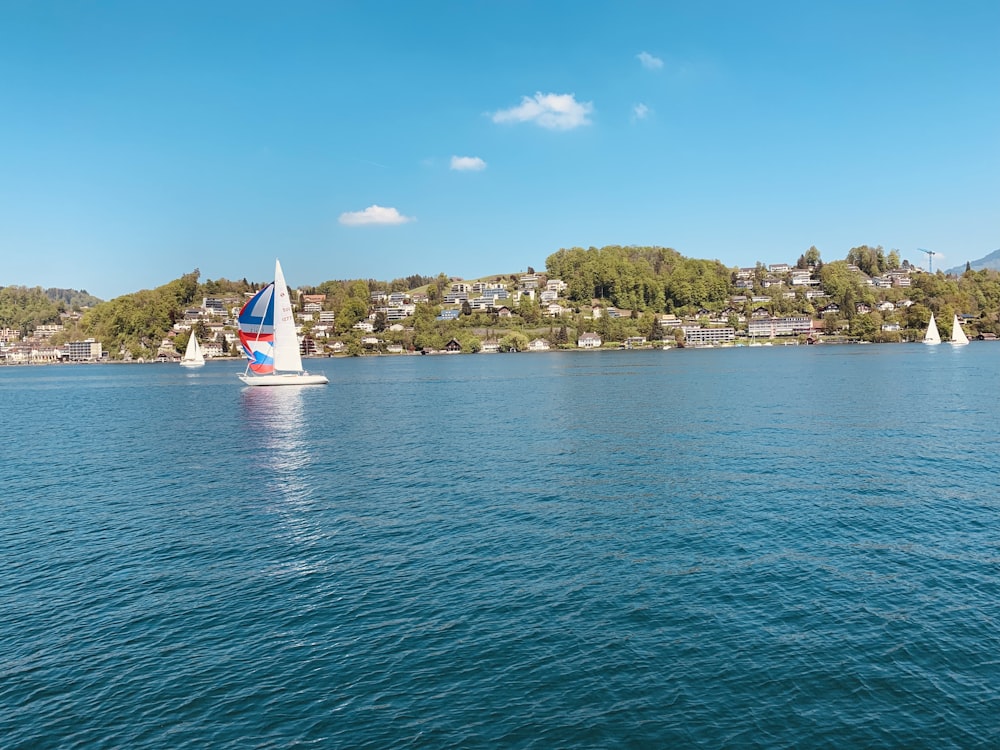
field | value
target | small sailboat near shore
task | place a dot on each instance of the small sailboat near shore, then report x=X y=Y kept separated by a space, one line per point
x=958 y=337
x=932 y=336
x=267 y=333
x=193 y=356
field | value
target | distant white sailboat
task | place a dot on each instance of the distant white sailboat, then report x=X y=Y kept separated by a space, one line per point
x=932 y=336
x=267 y=332
x=193 y=356
x=958 y=337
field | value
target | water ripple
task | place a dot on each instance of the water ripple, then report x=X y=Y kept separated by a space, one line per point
x=615 y=550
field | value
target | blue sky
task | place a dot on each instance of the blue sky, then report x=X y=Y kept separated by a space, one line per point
x=141 y=140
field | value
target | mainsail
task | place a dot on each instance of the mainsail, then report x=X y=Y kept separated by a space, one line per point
x=932 y=336
x=958 y=337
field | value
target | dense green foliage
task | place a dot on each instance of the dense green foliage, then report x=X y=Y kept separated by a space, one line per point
x=24 y=309
x=72 y=299
x=873 y=260
x=640 y=278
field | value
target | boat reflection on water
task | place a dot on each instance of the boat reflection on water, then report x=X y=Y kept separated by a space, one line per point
x=273 y=420
x=277 y=441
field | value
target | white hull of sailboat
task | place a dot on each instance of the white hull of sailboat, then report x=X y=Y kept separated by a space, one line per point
x=291 y=378
x=192 y=364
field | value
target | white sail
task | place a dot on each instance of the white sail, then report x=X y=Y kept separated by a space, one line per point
x=958 y=337
x=932 y=336
x=193 y=356
x=286 y=342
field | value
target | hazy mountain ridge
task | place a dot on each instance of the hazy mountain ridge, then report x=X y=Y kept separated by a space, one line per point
x=991 y=261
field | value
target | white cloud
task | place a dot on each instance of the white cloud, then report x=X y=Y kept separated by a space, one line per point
x=649 y=61
x=467 y=164
x=552 y=111
x=640 y=112
x=373 y=215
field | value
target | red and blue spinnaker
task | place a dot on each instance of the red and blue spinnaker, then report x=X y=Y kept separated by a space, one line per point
x=257 y=330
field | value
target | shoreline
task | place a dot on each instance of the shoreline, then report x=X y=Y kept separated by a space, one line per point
x=770 y=344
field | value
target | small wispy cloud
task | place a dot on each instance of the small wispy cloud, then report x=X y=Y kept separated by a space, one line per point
x=467 y=164
x=649 y=62
x=373 y=215
x=640 y=112
x=551 y=111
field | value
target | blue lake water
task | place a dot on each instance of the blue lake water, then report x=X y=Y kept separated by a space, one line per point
x=772 y=547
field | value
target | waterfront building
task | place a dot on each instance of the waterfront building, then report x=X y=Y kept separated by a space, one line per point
x=699 y=336
x=88 y=350
x=769 y=328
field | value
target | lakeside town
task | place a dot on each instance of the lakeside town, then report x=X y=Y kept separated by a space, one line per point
x=806 y=303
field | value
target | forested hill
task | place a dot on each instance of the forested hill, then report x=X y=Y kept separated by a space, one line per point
x=73 y=299
x=23 y=308
x=640 y=278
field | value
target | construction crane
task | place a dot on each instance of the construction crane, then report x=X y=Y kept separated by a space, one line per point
x=930 y=258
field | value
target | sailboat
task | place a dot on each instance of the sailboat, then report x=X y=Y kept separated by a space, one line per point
x=267 y=333
x=193 y=356
x=932 y=336
x=958 y=337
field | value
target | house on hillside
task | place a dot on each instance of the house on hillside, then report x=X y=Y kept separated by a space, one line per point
x=589 y=341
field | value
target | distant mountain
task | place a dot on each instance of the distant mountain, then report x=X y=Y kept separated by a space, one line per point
x=72 y=297
x=989 y=261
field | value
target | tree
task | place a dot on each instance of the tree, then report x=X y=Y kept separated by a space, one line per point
x=656 y=329
x=529 y=310
x=515 y=341
x=871 y=260
x=845 y=287
x=865 y=327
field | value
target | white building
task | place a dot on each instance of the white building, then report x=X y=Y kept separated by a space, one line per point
x=84 y=351
x=699 y=336
x=769 y=328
